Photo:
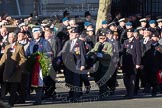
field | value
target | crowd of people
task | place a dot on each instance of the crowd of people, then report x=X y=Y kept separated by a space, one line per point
x=75 y=48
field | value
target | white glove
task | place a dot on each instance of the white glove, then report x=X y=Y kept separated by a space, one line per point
x=100 y=55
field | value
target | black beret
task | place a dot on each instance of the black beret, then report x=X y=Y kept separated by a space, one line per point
x=75 y=30
x=102 y=33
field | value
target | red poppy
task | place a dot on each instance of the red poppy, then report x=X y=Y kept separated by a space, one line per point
x=105 y=49
x=38 y=57
x=76 y=44
x=14 y=46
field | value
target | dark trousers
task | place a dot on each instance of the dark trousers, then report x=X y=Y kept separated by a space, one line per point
x=98 y=75
x=112 y=81
x=137 y=81
x=129 y=82
x=76 y=85
x=151 y=81
x=39 y=94
x=12 y=88
x=68 y=77
x=24 y=89
x=4 y=90
x=49 y=87
x=85 y=80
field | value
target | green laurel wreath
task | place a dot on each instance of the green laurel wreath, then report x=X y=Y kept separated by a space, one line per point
x=42 y=59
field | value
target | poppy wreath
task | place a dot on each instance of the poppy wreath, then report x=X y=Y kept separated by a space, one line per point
x=42 y=59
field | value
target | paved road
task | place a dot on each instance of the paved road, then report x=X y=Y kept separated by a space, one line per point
x=92 y=101
x=134 y=103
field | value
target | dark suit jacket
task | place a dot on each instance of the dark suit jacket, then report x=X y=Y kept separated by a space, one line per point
x=145 y=47
x=131 y=55
x=78 y=53
x=152 y=61
x=56 y=46
x=159 y=29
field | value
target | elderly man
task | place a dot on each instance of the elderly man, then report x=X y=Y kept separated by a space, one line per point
x=103 y=50
x=38 y=45
x=3 y=38
x=13 y=57
x=131 y=59
x=50 y=80
x=74 y=49
x=3 y=43
x=24 y=89
x=25 y=28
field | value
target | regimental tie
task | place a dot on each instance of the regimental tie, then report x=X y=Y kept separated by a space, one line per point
x=100 y=47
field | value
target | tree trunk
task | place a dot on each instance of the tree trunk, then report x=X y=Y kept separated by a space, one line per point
x=104 y=9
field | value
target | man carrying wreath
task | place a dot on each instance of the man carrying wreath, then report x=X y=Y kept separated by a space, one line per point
x=37 y=47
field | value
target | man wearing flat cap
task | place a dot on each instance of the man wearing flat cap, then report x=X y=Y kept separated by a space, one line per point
x=25 y=28
x=131 y=59
x=104 y=52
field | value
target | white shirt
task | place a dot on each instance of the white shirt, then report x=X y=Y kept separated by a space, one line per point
x=73 y=43
x=4 y=39
x=23 y=42
x=37 y=40
x=146 y=39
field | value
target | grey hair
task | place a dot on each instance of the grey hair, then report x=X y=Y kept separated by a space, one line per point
x=14 y=34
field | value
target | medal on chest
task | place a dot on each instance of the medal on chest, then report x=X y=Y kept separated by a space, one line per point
x=77 y=50
x=131 y=46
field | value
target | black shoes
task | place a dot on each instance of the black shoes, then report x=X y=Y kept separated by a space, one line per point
x=37 y=103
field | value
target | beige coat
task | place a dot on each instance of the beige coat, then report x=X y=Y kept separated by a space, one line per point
x=13 y=64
